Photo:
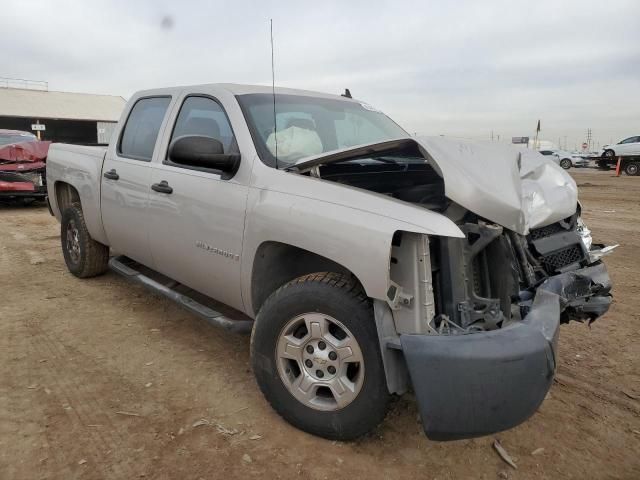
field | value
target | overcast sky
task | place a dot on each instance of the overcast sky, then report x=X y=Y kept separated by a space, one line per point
x=461 y=68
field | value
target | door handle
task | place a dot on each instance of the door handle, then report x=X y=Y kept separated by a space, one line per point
x=162 y=187
x=111 y=174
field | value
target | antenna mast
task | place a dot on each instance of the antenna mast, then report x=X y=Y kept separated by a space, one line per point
x=273 y=93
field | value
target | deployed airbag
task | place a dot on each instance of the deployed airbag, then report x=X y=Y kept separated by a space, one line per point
x=295 y=142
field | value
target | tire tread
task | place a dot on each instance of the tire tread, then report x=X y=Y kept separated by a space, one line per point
x=96 y=257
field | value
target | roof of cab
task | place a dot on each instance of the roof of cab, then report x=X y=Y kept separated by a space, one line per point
x=240 y=89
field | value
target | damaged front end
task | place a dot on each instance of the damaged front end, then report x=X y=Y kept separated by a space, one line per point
x=23 y=171
x=500 y=298
x=475 y=320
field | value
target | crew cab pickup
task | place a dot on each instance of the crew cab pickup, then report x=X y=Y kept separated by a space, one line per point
x=364 y=261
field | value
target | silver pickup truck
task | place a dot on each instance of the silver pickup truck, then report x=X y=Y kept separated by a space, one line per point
x=365 y=262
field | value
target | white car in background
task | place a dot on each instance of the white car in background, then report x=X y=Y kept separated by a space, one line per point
x=568 y=159
x=628 y=147
x=565 y=159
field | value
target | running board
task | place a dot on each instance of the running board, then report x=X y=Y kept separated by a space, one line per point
x=217 y=319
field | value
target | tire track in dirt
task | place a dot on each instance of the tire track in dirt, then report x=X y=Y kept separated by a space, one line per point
x=86 y=409
x=566 y=378
x=83 y=405
x=10 y=256
x=61 y=457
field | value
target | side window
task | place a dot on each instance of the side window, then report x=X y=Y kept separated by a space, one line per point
x=204 y=116
x=141 y=130
x=630 y=140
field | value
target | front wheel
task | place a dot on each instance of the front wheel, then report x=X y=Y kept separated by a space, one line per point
x=565 y=163
x=83 y=255
x=316 y=357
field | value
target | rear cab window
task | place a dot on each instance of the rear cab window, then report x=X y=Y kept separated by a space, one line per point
x=140 y=132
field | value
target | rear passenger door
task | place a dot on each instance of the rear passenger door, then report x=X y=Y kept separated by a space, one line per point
x=196 y=230
x=127 y=177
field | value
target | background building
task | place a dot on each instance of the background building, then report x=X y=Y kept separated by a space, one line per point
x=67 y=117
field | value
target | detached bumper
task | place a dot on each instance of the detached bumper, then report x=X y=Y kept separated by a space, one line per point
x=481 y=383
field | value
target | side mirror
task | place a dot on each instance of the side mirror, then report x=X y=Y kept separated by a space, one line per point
x=203 y=152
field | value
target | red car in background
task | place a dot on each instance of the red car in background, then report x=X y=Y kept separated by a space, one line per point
x=22 y=166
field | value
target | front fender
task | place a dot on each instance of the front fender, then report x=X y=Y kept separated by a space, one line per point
x=349 y=226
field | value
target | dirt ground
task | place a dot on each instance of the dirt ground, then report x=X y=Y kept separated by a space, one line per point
x=101 y=379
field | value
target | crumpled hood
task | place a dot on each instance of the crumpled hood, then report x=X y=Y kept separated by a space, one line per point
x=518 y=189
x=24 y=152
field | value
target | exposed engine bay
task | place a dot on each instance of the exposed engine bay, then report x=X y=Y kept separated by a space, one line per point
x=488 y=279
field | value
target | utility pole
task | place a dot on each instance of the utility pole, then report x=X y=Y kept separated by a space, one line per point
x=589 y=137
x=565 y=142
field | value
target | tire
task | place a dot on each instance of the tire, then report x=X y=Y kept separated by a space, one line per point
x=325 y=298
x=609 y=154
x=566 y=163
x=83 y=255
x=603 y=165
x=632 y=168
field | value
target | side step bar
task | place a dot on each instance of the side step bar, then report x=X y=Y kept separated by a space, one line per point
x=217 y=319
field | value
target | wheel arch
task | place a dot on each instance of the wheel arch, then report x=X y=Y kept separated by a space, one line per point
x=66 y=194
x=276 y=263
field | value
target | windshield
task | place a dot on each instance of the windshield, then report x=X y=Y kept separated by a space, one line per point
x=309 y=126
x=6 y=139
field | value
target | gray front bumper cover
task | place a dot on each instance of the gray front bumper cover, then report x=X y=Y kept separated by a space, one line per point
x=480 y=383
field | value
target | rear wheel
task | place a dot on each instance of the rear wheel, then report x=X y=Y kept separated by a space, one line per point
x=632 y=168
x=565 y=163
x=316 y=357
x=83 y=255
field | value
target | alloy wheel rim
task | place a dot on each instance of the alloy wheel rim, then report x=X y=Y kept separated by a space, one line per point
x=320 y=362
x=73 y=241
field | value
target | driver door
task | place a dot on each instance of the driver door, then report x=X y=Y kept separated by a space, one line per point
x=196 y=230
